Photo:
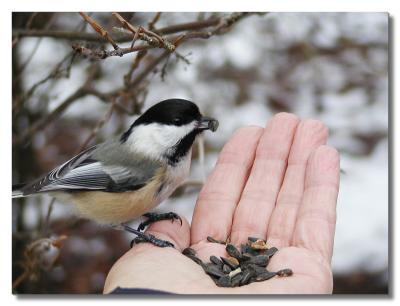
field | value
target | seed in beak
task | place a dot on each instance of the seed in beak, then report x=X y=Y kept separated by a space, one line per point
x=207 y=123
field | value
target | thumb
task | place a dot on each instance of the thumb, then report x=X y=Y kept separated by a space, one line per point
x=171 y=231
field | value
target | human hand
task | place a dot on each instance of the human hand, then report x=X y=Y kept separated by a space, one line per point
x=279 y=183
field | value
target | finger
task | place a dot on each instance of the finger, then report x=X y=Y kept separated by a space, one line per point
x=205 y=249
x=218 y=199
x=310 y=134
x=173 y=232
x=259 y=196
x=316 y=218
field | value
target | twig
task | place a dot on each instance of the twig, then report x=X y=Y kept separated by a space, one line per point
x=74 y=35
x=200 y=142
x=191 y=35
x=35 y=48
x=20 y=279
x=99 y=29
x=228 y=21
x=125 y=23
x=152 y=22
x=222 y=25
x=30 y=20
x=183 y=57
x=139 y=56
x=69 y=35
x=141 y=76
x=103 y=54
x=30 y=57
x=57 y=71
x=46 y=225
x=27 y=27
x=188 y=26
x=135 y=37
x=98 y=126
x=153 y=39
x=42 y=123
x=164 y=68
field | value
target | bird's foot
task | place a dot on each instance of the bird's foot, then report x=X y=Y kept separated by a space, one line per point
x=143 y=237
x=153 y=240
x=153 y=217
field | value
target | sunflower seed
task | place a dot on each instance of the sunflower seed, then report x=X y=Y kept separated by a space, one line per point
x=213 y=270
x=189 y=252
x=285 y=272
x=264 y=276
x=226 y=269
x=271 y=251
x=252 y=239
x=215 y=260
x=235 y=281
x=224 y=281
x=233 y=251
x=247 y=274
x=232 y=262
x=242 y=266
x=234 y=272
x=259 y=260
x=213 y=240
x=259 y=245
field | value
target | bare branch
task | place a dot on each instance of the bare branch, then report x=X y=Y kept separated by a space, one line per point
x=98 y=126
x=102 y=54
x=42 y=123
x=149 y=68
x=139 y=56
x=151 y=38
x=228 y=21
x=152 y=22
x=74 y=35
x=188 y=26
x=56 y=73
x=223 y=25
x=20 y=279
x=99 y=29
x=46 y=225
x=69 y=35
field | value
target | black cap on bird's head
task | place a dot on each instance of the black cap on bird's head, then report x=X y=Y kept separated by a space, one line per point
x=176 y=112
x=171 y=112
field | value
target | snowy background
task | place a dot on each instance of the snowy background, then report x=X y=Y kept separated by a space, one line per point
x=332 y=67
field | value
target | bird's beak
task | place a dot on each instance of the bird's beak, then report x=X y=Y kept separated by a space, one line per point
x=207 y=123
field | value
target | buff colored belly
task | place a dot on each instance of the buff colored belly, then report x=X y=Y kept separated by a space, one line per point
x=113 y=208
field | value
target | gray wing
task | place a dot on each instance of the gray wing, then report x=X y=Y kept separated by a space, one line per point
x=86 y=172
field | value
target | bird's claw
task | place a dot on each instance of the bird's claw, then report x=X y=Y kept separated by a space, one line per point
x=153 y=217
x=151 y=239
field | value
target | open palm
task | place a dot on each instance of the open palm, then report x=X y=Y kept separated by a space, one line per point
x=279 y=183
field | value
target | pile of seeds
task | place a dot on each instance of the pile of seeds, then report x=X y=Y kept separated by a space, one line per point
x=241 y=267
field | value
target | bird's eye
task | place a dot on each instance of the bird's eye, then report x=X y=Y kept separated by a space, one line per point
x=177 y=121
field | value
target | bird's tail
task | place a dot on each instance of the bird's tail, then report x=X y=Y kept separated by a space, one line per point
x=17 y=191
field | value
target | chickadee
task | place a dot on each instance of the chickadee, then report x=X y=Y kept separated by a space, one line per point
x=123 y=178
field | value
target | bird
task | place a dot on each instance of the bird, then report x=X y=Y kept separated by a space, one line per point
x=128 y=175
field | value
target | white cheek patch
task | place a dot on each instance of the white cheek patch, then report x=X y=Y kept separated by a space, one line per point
x=155 y=139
